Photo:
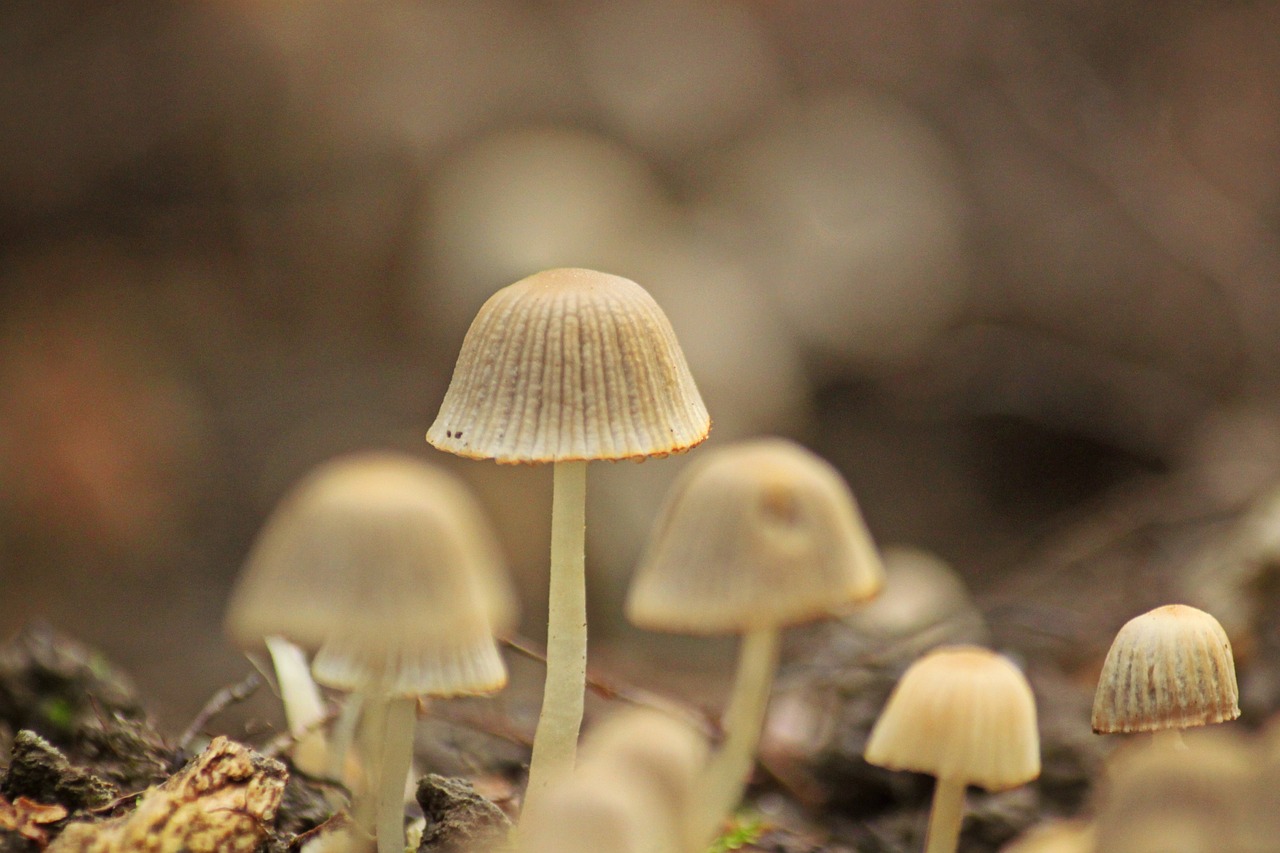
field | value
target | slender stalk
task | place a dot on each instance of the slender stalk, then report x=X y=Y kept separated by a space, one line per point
x=344 y=734
x=555 y=742
x=364 y=806
x=397 y=756
x=945 y=818
x=1168 y=739
x=725 y=777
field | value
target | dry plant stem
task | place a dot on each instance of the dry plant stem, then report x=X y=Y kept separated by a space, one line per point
x=944 y=819
x=555 y=743
x=400 y=716
x=726 y=774
x=303 y=708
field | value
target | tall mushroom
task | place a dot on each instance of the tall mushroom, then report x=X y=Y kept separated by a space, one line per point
x=754 y=536
x=567 y=366
x=387 y=567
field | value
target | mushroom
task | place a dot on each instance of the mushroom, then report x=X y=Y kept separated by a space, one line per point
x=387 y=567
x=1197 y=800
x=566 y=366
x=1169 y=669
x=631 y=792
x=753 y=537
x=966 y=716
x=657 y=758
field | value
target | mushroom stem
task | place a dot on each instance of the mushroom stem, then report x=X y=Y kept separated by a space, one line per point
x=373 y=718
x=1168 y=739
x=944 y=819
x=344 y=733
x=399 y=718
x=555 y=742
x=725 y=777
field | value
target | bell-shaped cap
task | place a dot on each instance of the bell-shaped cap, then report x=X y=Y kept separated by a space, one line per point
x=388 y=567
x=1199 y=799
x=754 y=535
x=588 y=813
x=570 y=364
x=1169 y=668
x=658 y=758
x=964 y=713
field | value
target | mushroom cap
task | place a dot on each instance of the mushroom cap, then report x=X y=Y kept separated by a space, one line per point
x=570 y=364
x=1169 y=668
x=759 y=534
x=1200 y=798
x=387 y=566
x=591 y=813
x=658 y=757
x=960 y=712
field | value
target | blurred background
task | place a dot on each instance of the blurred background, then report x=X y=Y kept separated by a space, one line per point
x=1012 y=266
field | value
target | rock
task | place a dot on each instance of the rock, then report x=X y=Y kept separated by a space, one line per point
x=458 y=819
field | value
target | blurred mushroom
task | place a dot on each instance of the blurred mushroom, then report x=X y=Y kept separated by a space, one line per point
x=754 y=537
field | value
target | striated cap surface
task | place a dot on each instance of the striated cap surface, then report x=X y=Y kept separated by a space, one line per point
x=757 y=534
x=960 y=712
x=570 y=364
x=1169 y=668
x=387 y=566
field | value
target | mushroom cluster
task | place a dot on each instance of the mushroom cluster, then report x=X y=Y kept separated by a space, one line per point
x=386 y=568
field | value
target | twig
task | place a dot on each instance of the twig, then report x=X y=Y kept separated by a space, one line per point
x=220 y=701
x=616 y=691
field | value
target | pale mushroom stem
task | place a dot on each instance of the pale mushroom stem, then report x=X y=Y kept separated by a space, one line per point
x=1168 y=739
x=945 y=818
x=725 y=777
x=364 y=806
x=399 y=718
x=344 y=733
x=555 y=742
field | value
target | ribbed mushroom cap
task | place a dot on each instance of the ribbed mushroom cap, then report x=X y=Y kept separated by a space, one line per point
x=1169 y=668
x=960 y=712
x=388 y=567
x=753 y=535
x=570 y=364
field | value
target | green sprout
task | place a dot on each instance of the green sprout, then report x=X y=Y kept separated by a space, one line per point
x=746 y=829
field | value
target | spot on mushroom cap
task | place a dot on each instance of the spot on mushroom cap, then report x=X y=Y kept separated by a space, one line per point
x=570 y=364
x=1169 y=668
x=388 y=567
x=758 y=534
x=960 y=712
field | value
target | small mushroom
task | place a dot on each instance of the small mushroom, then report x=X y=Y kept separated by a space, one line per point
x=567 y=366
x=966 y=716
x=753 y=537
x=1169 y=669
